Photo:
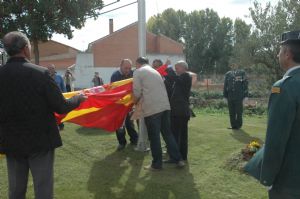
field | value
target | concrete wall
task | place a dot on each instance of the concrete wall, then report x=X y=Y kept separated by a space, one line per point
x=84 y=69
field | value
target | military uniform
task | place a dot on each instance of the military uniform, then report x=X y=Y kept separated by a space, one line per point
x=278 y=163
x=235 y=90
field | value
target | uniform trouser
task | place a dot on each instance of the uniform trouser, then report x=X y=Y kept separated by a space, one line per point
x=121 y=132
x=156 y=123
x=68 y=87
x=179 y=126
x=275 y=194
x=41 y=167
x=236 y=113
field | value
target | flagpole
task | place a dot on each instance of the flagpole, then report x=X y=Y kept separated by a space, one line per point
x=142 y=27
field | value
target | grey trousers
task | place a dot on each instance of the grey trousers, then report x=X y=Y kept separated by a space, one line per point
x=41 y=167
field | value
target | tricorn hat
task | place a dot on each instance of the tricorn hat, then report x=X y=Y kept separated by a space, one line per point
x=290 y=37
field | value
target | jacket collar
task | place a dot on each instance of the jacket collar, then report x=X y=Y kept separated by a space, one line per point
x=292 y=71
x=17 y=59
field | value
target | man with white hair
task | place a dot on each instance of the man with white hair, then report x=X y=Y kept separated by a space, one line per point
x=181 y=82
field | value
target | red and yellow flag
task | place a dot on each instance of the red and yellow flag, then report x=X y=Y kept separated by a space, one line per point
x=106 y=106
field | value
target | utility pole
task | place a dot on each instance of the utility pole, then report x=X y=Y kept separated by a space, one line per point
x=142 y=27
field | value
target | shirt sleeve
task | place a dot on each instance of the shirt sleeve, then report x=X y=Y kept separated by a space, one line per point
x=137 y=84
x=225 y=92
x=55 y=99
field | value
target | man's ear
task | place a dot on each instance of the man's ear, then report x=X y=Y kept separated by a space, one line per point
x=27 y=51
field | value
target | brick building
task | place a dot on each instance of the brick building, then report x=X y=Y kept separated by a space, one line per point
x=123 y=43
x=52 y=52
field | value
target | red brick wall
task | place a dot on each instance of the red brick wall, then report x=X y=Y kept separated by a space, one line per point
x=110 y=50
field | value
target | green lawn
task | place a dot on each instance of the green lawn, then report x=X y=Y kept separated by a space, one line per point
x=87 y=166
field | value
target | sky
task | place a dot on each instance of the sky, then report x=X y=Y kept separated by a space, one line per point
x=95 y=29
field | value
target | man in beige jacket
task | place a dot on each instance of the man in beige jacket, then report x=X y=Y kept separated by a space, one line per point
x=148 y=85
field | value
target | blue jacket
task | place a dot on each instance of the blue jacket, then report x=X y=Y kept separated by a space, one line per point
x=60 y=83
x=118 y=76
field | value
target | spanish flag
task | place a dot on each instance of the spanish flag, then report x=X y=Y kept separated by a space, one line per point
x=106 y=106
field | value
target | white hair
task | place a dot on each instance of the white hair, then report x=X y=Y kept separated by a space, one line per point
x=182 y=63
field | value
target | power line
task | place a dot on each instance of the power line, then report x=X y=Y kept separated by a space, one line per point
x=118 y=8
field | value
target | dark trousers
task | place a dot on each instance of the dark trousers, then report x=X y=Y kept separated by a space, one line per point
x=275 y=194
x=236 y=113
x=179 y=126
x=160 y=122
x=41 y=167
x=68 y=87
x=121 y=132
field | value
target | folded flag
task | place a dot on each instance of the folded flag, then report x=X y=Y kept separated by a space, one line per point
x=106 y=106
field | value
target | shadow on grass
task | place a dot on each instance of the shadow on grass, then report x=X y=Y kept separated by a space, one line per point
x=91 y=131
x=121 y=175
x=170 y=183
x=244 y=137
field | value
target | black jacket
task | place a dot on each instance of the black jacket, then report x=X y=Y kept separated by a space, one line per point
x=29 y=97
x=179 y=89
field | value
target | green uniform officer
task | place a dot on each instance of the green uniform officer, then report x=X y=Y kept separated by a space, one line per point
x=235 y=90
x=278 y=164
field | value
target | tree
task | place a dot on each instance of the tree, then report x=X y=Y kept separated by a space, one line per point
x=40 y=19
x=170 y=23
x=206 y=37
x=269 y=23
x=241 y=43
x=208 y=41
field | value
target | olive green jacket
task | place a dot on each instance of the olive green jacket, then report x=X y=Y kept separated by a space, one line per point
x=235 y=85
x=279 y=163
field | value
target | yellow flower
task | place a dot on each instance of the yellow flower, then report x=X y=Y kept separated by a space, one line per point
x=254 y=144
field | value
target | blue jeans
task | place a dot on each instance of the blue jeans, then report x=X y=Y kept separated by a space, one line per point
x=156 y=123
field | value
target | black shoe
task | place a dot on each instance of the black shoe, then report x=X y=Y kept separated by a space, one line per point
x=151 y=168
x=170 y=161
x=120 y=147
x=234 y=128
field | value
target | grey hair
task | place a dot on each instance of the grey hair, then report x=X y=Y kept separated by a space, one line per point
x=14 y=42
x=182 y=63
x=124 y=60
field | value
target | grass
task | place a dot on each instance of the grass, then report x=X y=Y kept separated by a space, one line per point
x=87 y=166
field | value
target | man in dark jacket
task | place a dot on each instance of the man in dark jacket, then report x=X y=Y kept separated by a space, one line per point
x=235 y=90
x=28 y=130
x=179 y=93
x=125 y=72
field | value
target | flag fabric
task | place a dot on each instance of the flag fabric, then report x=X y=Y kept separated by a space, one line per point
x=106 y=106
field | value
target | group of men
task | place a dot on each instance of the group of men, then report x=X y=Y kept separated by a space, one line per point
x=151 y=91
x=28 y=131
x=29 y=134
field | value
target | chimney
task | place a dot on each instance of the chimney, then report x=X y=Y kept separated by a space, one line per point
x=111 y=26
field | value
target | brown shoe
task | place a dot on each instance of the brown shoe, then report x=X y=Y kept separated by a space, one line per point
x=150 y=168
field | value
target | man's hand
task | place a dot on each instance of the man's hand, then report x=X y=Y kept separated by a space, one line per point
x=82 y=98
x=135 y=100
x=168 y=62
